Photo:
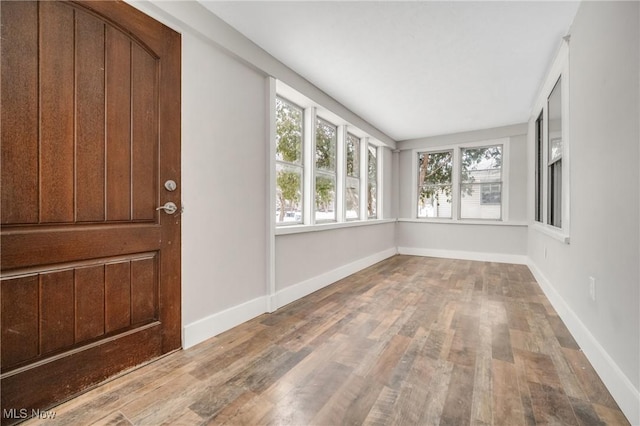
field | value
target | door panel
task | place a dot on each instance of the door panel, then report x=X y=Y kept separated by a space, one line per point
x=90 y=128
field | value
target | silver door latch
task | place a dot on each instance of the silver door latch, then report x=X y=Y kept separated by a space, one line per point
x=169 y=208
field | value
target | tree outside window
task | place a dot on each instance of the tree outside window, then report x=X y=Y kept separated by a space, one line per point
x=289 y=162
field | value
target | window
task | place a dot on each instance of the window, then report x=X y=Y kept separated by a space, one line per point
x=435 y=172
x=550 y=151
x=462 y=182
x=325 y=171
x=352 y=182
x=289 y=162
x=481 y=183
x=538 y=168
x=372 y=182
x=554 y=194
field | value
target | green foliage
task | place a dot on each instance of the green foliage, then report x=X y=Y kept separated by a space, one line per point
x=288 y=132
x=353 y=156
x=325 y=193
x=326 y=146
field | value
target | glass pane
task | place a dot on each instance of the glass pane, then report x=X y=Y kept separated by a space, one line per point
x=555 y=122
x=554 y=216
x=481 y=201
x=326 y=141
x=538 y=172
x=481 y=164
x=352 y=198
x=353 y=156
x=435 y=168
x=288 y=194
x=372 y=193
x=434 y=201
x=325 y=198
x=289 y=119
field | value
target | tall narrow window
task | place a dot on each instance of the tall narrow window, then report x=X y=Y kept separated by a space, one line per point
x=538 y=168
x=289 y=162
x=554 y=165
x=352 y=183
x=481 y=183
x=325 y=171
x=435 y=171
x=372 y=182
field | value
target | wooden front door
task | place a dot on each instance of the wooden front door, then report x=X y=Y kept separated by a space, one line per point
x=90 y=128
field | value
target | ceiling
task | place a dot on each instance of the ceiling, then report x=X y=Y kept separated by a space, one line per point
x=417 y=68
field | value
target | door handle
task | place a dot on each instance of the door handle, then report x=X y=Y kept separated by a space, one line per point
x=169 y=208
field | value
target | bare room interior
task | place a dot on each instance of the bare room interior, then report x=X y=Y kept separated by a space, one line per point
x=320 y=213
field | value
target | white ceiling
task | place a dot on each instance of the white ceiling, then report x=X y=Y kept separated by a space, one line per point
x=413 y=69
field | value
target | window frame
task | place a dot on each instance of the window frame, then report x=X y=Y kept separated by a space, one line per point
x=348 y=177
x=501 y=183
x=456 y=180
x=419 y=184
x=300 y=166
x=377 y=157
x=330 y=173
x=558 y=74
x=314 y=112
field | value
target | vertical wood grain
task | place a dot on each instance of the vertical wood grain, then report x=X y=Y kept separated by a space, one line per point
x=90 y=140
x=19 y=319
x=56 y=112
x=89 y=302
x=118 y=90
x=117 y=296
x=143 y=290
x=19 y=112
x=56 y=311
x=144 y=131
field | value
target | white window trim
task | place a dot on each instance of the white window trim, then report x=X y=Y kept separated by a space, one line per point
x=313 y=111
x=559 y=68
x=317 y=172
x=455 y=181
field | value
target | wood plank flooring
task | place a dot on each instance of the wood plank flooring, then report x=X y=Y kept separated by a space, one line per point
x=408 y=341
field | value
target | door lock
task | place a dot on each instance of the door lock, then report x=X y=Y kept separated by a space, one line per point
x=169 y=208
x=170 y=185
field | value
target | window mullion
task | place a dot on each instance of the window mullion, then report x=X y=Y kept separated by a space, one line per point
x=308 y=154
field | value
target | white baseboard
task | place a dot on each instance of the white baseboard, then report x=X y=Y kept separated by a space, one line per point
x=618 y=384
x=465 y=255
x=205 y=328
x=301 y=289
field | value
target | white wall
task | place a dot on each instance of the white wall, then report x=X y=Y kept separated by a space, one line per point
x=309 y=261
x=497 y=241
x=223 y=156
x=226 y=236
x=225 y=264
x=306 y=262
x=605 y=244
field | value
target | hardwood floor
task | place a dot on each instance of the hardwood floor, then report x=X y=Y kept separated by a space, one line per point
x=408 y=341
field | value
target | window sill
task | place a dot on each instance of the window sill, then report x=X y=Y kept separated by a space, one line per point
x=487 y=222
x=551 y=231
x=298 y=229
